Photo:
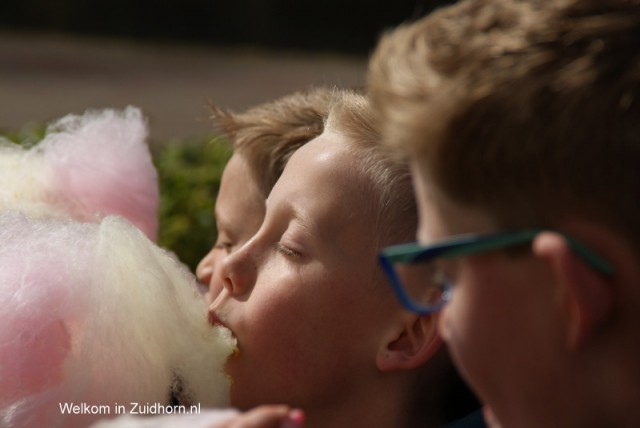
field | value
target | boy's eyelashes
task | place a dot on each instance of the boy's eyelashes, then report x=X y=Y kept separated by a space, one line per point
x=285 y=250
x=226 y=240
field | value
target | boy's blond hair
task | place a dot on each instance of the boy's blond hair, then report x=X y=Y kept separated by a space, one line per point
x=529 y=110
x=438 y=391
x=396 y=218
x=268 y=134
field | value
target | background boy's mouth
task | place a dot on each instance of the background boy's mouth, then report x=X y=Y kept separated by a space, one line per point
x=203 y=289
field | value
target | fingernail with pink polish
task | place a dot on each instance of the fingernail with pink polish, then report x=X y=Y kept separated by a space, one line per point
x=295 y=419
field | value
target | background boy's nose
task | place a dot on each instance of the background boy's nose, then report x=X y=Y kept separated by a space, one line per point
x=204 y=270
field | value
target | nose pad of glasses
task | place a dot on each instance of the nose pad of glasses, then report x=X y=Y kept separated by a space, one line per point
x=435 y=294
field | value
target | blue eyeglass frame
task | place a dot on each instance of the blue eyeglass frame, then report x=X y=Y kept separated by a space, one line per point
x=462 y=245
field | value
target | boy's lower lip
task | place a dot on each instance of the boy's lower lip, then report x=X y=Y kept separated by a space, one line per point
x=214 y=319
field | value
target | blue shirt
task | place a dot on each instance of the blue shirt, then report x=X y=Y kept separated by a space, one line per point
x=472 y=420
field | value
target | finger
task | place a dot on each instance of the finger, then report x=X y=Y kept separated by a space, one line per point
x=260 y=417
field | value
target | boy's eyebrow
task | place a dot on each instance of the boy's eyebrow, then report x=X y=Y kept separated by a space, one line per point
x=294 y=212
x=325 y=229
x=304 y=220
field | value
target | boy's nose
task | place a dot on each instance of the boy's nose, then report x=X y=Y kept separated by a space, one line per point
x=210 y=283
x=239 y=271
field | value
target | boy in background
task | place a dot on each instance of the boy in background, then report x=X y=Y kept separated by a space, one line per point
x=263 y=138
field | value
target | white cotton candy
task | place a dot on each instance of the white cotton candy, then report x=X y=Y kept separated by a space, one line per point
x=95 y=316
x=25 y=182
x=86 y=167
x=95 y=313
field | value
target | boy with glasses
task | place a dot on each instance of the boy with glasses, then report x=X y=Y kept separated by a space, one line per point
x=522 y=120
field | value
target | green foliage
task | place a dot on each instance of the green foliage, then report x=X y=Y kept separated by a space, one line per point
x=27 y=136
x=189 y=174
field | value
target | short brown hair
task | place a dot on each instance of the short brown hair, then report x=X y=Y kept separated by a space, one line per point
x=268 y=134
x=529 y=110
x=394 y=204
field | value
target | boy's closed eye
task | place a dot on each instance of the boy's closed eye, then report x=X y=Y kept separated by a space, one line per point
x=225 y=241
x=294 y=242
x=226 y=246
x=229 y=238
x=286 y=250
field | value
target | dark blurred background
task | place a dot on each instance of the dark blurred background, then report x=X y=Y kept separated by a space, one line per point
x=172 y=59
x=338 y=25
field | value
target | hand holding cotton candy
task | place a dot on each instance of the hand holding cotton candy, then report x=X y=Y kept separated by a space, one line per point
x=93 y=312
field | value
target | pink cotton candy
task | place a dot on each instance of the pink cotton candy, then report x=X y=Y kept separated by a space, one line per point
x=87 y=167
x=34 y=295
x=92 y=311
x=96 y=313
x=102 y=164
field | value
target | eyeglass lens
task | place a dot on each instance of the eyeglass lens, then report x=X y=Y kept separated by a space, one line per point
x=424 y=283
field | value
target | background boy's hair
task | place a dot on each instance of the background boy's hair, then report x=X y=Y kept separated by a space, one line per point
x=529 y=110
x=268 y=134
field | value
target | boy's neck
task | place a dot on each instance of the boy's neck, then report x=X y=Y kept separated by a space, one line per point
x=615 y=387
x=599 y=387
x=385 y=404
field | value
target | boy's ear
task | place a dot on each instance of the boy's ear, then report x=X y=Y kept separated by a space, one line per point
x=412 y=342
x=587 y=294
